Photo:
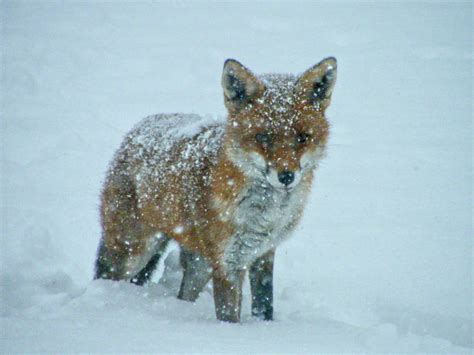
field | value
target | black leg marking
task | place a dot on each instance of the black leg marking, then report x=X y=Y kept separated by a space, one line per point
x=144 y=275
x=102 y=264
x=106 y=265
x=261 y=286
x=196 y=274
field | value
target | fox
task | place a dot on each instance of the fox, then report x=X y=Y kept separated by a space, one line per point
x=228 y=192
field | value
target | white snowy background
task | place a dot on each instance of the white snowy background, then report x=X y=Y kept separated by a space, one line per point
x=382 y=260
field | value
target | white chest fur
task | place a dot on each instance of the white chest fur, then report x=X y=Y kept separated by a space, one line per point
x=261 y=215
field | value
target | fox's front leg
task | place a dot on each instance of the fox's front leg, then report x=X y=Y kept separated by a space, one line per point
x=228 y=294
x=261 y=286
x=196 y=274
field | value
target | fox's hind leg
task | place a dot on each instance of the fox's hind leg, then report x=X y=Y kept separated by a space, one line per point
x=106 y=264
x=123 y=264
x=261 y=286
x=145 y=274
x=196 y=274
x=127 y=244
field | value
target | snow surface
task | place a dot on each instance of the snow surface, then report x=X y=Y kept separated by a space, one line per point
x=382 y=260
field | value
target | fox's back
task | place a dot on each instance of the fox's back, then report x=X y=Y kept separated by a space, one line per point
x=167 y=159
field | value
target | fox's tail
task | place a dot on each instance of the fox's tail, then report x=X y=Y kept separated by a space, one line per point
x=117 y=267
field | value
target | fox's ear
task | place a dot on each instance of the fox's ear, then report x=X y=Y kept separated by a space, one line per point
x=315 y=85
x=240 y=86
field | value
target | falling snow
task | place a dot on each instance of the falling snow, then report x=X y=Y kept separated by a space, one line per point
x=382 y=261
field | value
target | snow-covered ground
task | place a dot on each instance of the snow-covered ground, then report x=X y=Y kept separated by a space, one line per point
x=382 y=260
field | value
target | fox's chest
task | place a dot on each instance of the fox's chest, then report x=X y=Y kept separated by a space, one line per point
x=261 y=209
x=261 y=219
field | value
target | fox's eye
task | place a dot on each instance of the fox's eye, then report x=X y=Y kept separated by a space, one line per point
x=262 y=138
x=302 y=137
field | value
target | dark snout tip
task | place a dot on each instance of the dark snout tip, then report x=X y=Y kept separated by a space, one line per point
x=286 y=177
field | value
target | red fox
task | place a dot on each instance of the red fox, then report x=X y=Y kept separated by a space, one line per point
x=228 y=192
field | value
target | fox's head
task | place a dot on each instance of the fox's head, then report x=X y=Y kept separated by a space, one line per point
x=276 y=126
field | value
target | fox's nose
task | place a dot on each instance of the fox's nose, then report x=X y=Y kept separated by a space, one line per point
x=286 y=177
